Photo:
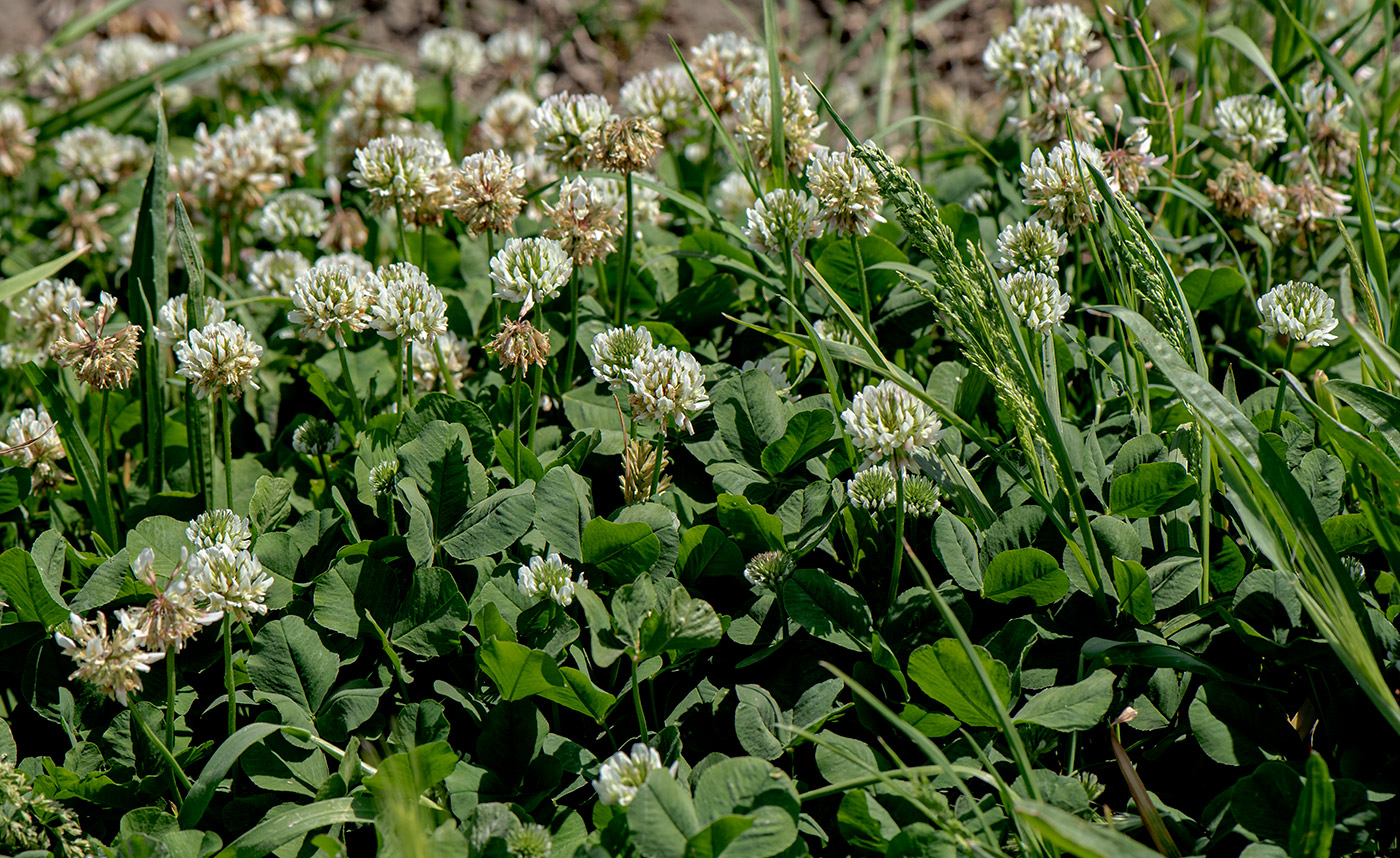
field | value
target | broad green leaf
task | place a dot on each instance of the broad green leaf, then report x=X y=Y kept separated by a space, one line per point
x=14 y=487
x=749 y=415
x=563 y=507
x=286 y=824
x=620 y=551
x=957 y=548
x=704 y=551
x=754 y=528
x=806 y=432
x=661 y=817
x=828 y=609
x=493 y=524
x=432 y=616
x=715 y=838
x=1205 y=286
x=521 y=672
x=1151 y=488
x=289 y=659
x=271 y=503
x=1025 y=572
x=1134 y=590
x=25 y=591
x=944 y=672
x=1069 y=708
x=217 y=768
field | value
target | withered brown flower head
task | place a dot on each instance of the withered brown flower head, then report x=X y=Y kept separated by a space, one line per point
x=103 y=362
x=626 y=145
x=1240 y=191
x=519 y=345
x=486 y=192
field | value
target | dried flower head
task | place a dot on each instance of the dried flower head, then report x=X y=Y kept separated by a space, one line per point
x=174 y=615
x=172 y=320
x=1300 y=311
x=890 y=425
x=622 y=774
x=801 y=130
x=1062 y=185
x=33 y=441
x=530 y=270
x=112 y=663
x=1130 y=164
x=405 y=305
x=769 y=569
x=329 y=299
x=1036 y=299
x=667 y=387
x=16 y=139
x=583 y=223
x=275 y=272
x=230 y=580
x=82 y=225
x=723 y=63
x=450 y=51
x=625 y=145
x=486 y=192
x=847 y=195
x=549 y=577
x=565 y=126
x=1253 y=123
x=219 y=359
x=292 y=215
x=613 y=352
x=519 y=345
x=781 y=220
x=639 y=470
x=316 y=437
x=1032 y=245
x=662 y=96
x=100 y=361
x=1315 y=203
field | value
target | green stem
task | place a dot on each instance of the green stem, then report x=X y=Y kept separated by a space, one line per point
x=228 y=673
x=403 y=239
x=103 y=450
x=1282 y=387
x=403 y=356
x=656 y=463
x=348 y=380
x=226 y=415
x=637 y=702
x=865 y=308
x=914 y=104
x=409 y=386
x=535 y=405
x=515 y=422
x=898 y=539
x=170 y=699
x=602 y=275
x=571 y=344
x=449 y=381
x=325 y=475
x=624 y=278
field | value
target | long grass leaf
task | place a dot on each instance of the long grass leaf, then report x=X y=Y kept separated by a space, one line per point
x=147 y=290
x=12 y=286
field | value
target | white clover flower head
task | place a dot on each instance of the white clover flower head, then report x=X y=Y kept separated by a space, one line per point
x=1300 y=311
x=734 y=196
x=172 y=320
x=1062 y=185
x=505 y=122
x=613 y=352
x=769 y=569
x=292 y=215
x=486 y=192
x=174 y=615
x=32 y=440
x=230 y=580
x=1254 y=123
x=112 y=663
x=1060 y=30
x=383 y=477
x=530 y=270
x=1032 y=245
x=662 y=96
x=316 y=437
x=583 y=221
x=127 y=57
x=565 y=124
x=833 y=330
x=529 y=841
x=890 y=424
x=623 y=774
x=402 y=171
x=611 y=194
x=848 y=197
x=1331 y=143
x=429 y=375
x=16 y=139
x=872 y=488
x=922 y=497
x=516 y=53
x=93 y=152
x=99 y=359
x=723 y=63
x=405 y=305
x=1036 y=299
x=801 y=130
x=452 y=51
x=353 y=263
x=667 y=386
x=1132 y=163
x=781 y=220
x=42 y=311
x=219 y=359
x=551 y=578
x=275 y=272
x=382 y=88
x=220 y=527
x=329 y=298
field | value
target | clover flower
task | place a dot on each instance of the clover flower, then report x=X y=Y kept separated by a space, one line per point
x=383 y=477
x=848 y=198
x=610 y=192
x=408 y=173
x=231 y=580
x=291 y=215
x=451 y=51
x=639 y=466
x=549 y=577
x=382 y=88
x=172 y=320
x=662 y=96
x=872 y=488
x=83 y=224
x=241 y=164
x=281 y=127
x=16 y=139
x=613 y=352
x=1060 y=88
x=733 y=196
x=1014 y=56
x=889 y=424
x=93 y=152
x=922 y=497
x=353 y=264
x=1253 y=123
x=565 y=125
x=583 y=224
x=1242 y=192
x=667 y=386
x=127 y=57
x=1035 y=298
x=275 y=272
x=98 y=360
x=1332 y=144
x=723 y=63
x=1298 y=310
x=429 y=374
x=113 y=663
x=505 y=122
x=516 y=53
x=833 y=330
x=781 y=220
x=530 y=270
x=486 y=192
x=33 y=441
x=529 y=841
x=219 y=359
x=329 y=298
x=769 y=569
x=519 y=345
x=174 y=615
x=69 y=81
x=1062 y=184
x=316 y=437
x=1314 y=202
x=219 y=527
x=625 y=145
x=801 y=130
x=622 y=774
x=41 y=312
x=405 y=305
x=1032 y=245
x=1130 y=164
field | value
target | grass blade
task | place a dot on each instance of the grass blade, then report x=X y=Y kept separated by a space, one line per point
x=147 y=290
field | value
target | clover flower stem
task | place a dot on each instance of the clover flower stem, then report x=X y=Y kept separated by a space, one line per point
x=102 y=449
x=228 y=672
x=656 y=464
x=1282 y=386
x=403 y=237
x=403 y=357
x=408 y=371
x=571 y=344
x=226 y=419
x=515 y=420
x=535 y=380
x=865 y=310
x=898 y=539
x=170 y=699
x=449 y=380
x=194 y=416
x=325 y=474
x=602 y=274
x=624 y=277
x=234 y=248
x=782 y=608
x=637 y=702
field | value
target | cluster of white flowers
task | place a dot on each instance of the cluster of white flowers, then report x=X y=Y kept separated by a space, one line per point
x=486 y=192
x=412 y=174
x=1253 y=123
x=527 y=271
x=16 y=139
x=316 y=437
x=230 y=580
x=1044 y=56
x=1035 y=298
x=668 y=386
x=505 y=122
x=220 y=527
x=93 y=152
x=329 y=299
x=1032 y=245
x=32 y=440
x=1300 y=311
x=41 y=312
x=172 y=320
x=848 y=198
x=275 y=272
x=405 y=305
x=623 y=774
x=516 y=53
x=451 y=51
x=723 y=63
x=1062 y=186
x=781 y=220
x=769 y=569
x=292 y=215
x=565 y=124
x=113 y=663
x=219 y=359
x=663 y=96
x=241 y=164
x=176 y=614
x=129 y=56
x=551 y=578
x=801 y=130
x=613 y=352
x=891 y=425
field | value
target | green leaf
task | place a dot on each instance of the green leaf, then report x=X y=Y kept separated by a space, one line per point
x=437 y=461
x=806 y=432
x=271 y=503
x=1206 y=286
x=661 y=817
x=828 y=609
x=432 y=616
x=1151 y=488
x=749 y=414
x=714 y=838
x=620 y=551
x=944 y=672
x=957 y=548
x=494 y=524
x=25 y=591
x=284 y=825
x=1134 y=590
x=521 y=672
x=147 y=290
x=516 y=458
x=1025 y=572
x=1077 y=837
x=1310 y=834
x=289 y=659
x=563 y=507
x=705 y=551
x=1072 y=707
x=92 y=479
x=14 y=487
x=217 y=768
x=753 y=527
x=12 y=286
